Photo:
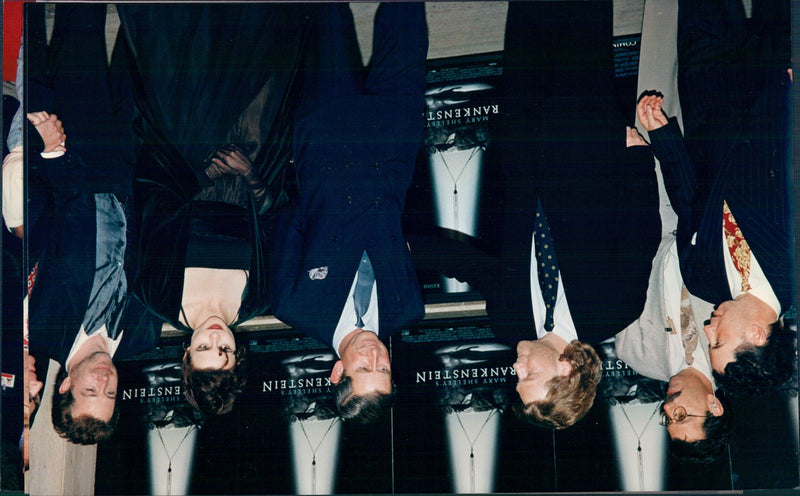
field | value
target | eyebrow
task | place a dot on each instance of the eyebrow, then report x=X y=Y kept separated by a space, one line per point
x=366 y=371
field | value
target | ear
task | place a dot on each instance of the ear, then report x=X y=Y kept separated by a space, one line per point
x=64 y=386
x=757 y=334
x=714 y=405
x=564 y=368
x=337 y=372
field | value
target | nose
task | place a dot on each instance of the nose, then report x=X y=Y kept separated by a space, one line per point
x=102 y=381
x=373 y=355
x=518 y=368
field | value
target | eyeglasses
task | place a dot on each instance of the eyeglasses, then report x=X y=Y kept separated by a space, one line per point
x=678 y=415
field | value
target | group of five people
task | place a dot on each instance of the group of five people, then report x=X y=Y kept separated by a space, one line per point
x=140 y=217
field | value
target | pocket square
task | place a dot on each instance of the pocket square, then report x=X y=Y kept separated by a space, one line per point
x=318 y=273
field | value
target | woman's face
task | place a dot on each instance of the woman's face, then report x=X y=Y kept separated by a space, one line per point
x=212 y=346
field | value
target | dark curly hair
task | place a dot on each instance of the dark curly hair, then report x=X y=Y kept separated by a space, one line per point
x=365 y=409
x=214 y=391
x=81 y=430
x=568 y=397
x=756 y=370
x=709 y=449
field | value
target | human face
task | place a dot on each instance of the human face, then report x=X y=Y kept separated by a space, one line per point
x=687 y=393
x=93 y=383
x=366 y=361
x=212 y=346
x=537 y=363
x=726 y=332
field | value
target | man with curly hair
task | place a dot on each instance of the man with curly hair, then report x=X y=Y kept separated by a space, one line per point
x=570 y=167
x=727 y=178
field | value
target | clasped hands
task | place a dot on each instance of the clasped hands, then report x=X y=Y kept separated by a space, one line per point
x=50 y=129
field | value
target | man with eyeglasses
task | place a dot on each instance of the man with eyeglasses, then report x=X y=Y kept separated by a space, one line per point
x=665 y=344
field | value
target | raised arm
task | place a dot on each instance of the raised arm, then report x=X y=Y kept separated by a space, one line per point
x=669 y=148
x=649 y=112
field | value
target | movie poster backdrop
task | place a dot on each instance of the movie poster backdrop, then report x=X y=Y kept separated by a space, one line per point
x=452 y=429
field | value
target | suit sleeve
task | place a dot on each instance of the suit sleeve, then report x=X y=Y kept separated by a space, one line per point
x=142 y=329
x=679 y=176
x=286 y=260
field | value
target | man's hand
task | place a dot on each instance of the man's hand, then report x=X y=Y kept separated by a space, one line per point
x=32 y=387
x=633 y=138
x=50 y=129
x=649 y=112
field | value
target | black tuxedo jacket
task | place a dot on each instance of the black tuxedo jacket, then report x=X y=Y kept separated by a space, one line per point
x=754 y=184
x=72 y=78
x=64 y=274
x=563 y=143
x=734 y=91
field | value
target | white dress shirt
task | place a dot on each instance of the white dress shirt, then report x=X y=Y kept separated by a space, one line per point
x=348 y=319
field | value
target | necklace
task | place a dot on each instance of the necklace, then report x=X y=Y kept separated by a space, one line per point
x=639 y=440
x=169 y=468
x=472 y=446
x=455 y=180
x=314 y=451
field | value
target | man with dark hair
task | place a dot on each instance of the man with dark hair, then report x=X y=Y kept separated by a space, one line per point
x=70 y=423
x=361 y=408
x=79 y=307
x=728 y=183
x=665 y=344
x=80 y=312
x=342 y=269
x=756 y=370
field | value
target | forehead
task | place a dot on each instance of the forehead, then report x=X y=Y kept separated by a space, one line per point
x=365 y=382
x=534 y=388
x=100 y=407
x=212 y=359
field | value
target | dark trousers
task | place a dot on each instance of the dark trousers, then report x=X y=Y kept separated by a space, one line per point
x=333 y=66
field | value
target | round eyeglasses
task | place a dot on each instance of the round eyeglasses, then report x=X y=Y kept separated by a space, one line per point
x=678 y=415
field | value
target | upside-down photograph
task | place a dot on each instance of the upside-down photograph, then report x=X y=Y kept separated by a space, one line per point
x=315 y=248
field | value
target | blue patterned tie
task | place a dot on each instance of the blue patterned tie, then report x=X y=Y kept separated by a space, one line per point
x=363 y=290
x=547 y=267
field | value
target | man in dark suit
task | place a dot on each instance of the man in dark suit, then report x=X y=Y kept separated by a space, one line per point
x=80 y=313
x=343 y=273
x=568 y=159
x=728 y=183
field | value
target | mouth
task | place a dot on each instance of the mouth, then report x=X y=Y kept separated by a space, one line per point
x=216 y=326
